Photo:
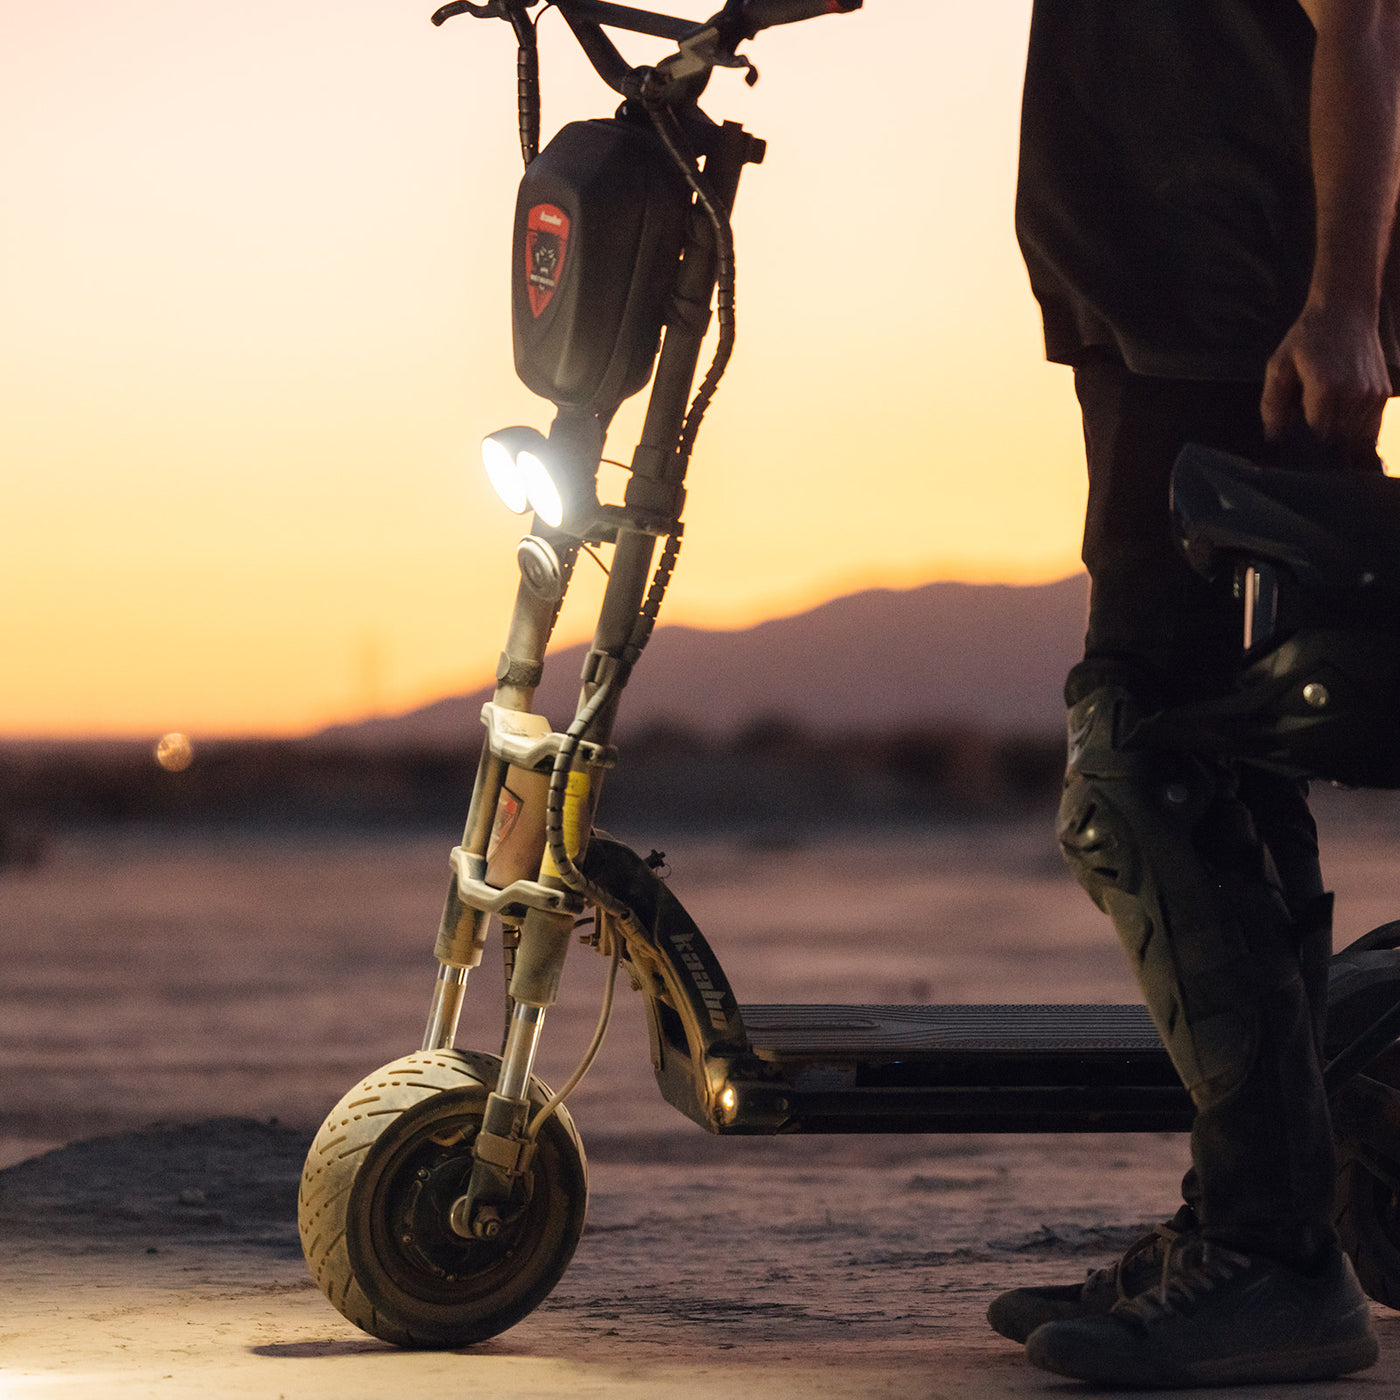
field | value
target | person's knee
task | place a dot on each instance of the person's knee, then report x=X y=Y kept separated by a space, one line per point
x=1120 y=800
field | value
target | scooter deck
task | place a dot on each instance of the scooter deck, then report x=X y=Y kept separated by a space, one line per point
x=1015 y=1068
x=763 y=1068
x=877 y=1069
x=782 y=1032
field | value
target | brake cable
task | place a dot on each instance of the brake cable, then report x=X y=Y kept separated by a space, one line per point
x=667 y=128
x=594 y=1045
x=527 y=61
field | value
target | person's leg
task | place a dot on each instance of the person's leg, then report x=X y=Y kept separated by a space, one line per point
x=1215 y=886
x=1210 y=875
x=1279 y=806
x=1164 y=846
x=1218 y=893
x=1284 y=824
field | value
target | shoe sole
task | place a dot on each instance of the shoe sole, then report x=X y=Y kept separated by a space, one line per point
x=1010 y=1320
x=1315 y=1364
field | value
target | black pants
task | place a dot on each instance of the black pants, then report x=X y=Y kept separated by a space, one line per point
x=1262 y=1173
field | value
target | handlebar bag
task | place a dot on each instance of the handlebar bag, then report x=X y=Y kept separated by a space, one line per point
x=600 y=220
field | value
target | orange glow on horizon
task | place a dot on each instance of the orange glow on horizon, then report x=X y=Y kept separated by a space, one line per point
x=257 y=323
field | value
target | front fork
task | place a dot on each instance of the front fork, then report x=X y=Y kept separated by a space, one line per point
x=462 y=931
x=502 y=1149
x=503 y=864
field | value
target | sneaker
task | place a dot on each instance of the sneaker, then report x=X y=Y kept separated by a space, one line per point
x=1219 y=1318
x=1018 y=1313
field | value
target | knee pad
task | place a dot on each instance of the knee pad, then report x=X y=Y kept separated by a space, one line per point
x=1161 y=843
x=1120 y=798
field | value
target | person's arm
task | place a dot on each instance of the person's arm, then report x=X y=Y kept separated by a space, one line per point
x=1330 y=364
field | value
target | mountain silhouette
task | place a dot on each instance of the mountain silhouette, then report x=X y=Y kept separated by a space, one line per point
x=990 y=657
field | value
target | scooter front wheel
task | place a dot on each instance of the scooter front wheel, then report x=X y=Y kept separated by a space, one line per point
x=377 y=1189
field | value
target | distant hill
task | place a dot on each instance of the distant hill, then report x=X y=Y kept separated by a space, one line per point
x=991 y=657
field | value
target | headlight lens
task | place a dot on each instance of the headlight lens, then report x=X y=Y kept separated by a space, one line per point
x=505 y=474
x=540 y=488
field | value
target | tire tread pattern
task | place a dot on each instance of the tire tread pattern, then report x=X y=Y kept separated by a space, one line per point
x=340 y=1148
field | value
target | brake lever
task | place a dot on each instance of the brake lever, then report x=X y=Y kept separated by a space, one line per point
x=709 y=46
x=492 y=9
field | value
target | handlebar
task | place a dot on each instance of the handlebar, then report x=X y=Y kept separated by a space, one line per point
x=764 y=14
x=626 y=17
x=679 y=78
x=752 y=15
x=702 y=46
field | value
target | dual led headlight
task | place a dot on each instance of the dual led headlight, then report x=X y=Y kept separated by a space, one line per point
x=516 y=461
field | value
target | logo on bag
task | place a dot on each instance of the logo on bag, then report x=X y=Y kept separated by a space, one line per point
x=546 y=243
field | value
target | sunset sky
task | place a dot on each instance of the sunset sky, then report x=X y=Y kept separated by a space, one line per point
x=255 y=312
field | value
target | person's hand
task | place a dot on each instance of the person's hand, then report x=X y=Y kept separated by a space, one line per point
x=1330 y=372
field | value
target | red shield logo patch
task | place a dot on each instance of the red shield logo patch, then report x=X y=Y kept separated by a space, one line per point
x=546 y=245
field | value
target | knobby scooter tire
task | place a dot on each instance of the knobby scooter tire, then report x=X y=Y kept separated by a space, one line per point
x=1367 y=1216
x=380 y=1179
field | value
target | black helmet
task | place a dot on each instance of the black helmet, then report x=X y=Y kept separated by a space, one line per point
x=1318 y=557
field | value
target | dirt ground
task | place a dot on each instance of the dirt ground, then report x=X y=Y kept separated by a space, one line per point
x=180 y=1012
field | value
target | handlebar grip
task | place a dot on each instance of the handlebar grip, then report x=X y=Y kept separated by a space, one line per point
x=764 y=14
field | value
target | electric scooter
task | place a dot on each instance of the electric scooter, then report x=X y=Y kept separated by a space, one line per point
x=444 y=1195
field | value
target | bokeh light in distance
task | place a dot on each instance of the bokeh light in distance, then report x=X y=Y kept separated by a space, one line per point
x=174 y=752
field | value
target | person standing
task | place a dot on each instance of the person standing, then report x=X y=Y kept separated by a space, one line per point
x=1205 y=205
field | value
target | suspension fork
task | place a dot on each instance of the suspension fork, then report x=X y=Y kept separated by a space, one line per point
x=501 y=1149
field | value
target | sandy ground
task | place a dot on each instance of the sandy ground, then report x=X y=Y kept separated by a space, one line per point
x=180 y=1012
